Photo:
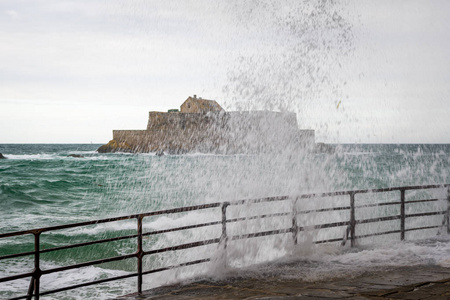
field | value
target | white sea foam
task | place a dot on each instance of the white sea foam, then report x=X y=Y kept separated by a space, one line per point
x=66 y=278
x=322 y=262
x=31 y=156
x=86 y=155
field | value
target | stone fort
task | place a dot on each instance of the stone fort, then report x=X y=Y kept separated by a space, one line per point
x=204 y=126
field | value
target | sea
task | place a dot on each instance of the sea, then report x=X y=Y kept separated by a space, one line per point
x=44 y=185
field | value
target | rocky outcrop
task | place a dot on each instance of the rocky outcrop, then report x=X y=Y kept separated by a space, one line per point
x=115 y=146
x=75 y=155
x=2 y=157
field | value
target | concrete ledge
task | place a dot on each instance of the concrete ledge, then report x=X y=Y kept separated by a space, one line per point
x=417 y=282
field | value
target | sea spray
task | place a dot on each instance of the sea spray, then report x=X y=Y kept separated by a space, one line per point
x=285 y=56
x=295 y=61
x=108 y=185
x=291 y=63
x=288 y=56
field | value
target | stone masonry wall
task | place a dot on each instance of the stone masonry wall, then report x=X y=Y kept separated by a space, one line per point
x=216 y=132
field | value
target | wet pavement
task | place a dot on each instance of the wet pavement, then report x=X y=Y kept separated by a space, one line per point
x=414 y=282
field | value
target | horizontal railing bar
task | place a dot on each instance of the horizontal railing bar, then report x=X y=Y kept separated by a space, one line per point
x=260 y=200
x=343 y=193
x=396 y=231
x=69 y=246
x=195 y=262
x=327 y=225
x=122 y=218
x=15 y=277
x=20 y=297
x=183 y=246
x=323 y=210
x=257 y=217
x=338 y=193
x=365 y=206
x=66 y=226
x=88 y=284
x=258 y=234
x=329 y=241
x=322 y=195
x=89 y=263
x=182 y=228
x=380 y=219
x=425 y=227
x=181 y=209
x=395 y=203
x=217 y=204
x=17 y=233
x=423 y=200
x=210 y=224
x=426 y=214
x=378 y=233
x=16 y=255
x=406 y=188
x=279 y=231
x=378 y=204
x=110 y=240
x=89 y=243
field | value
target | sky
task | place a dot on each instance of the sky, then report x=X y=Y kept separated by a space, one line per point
x=355 y=71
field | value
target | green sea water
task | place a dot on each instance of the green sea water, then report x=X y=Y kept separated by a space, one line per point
x=42 y=185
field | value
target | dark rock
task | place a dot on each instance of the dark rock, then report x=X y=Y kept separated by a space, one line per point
x=75 y=155
x=115 y=146
x=2 y=157
x=159 y=153
x=324 y=148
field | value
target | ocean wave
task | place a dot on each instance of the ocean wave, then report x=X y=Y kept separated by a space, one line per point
x=31 y=156
x=67 y=155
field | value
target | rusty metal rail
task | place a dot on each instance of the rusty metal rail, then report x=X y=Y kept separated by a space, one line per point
x=294 y=229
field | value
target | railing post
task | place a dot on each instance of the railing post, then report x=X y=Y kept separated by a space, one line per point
x=224 y=237
x=402 y=214
x=139 y=253
x=352 y=219
x=34 y=286
x=294 y=222
x=222 y=258
x=448 y=210
x=30 y=289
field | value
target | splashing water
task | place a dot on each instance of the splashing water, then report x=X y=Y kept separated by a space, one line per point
x=295 y=63
x=284 y=57
x=60 y=189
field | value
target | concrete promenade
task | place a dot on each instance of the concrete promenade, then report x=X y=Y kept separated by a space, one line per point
x=414 y=282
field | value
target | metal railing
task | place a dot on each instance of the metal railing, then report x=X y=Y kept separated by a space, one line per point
x=295 y=228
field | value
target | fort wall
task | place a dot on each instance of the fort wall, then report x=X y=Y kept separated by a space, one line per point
x=216 y=132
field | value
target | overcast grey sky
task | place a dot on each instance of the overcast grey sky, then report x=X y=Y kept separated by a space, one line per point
x=355 y=71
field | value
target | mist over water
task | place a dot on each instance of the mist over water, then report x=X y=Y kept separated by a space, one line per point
x=295 y=58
